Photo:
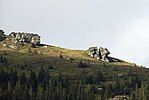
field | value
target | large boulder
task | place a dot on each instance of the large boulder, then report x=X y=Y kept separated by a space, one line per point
x=104 y=52
x=99 y=53
x=93 y=52
x=2 y=35
x=25 y=38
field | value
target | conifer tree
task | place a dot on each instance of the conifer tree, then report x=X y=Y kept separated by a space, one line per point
x=33 y=84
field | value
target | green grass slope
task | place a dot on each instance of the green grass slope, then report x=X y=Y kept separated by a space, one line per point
x=54 y=59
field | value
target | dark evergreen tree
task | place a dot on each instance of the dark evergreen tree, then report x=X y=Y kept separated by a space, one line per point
x=41 y=76
x=22 y=80
x=33 y=81
x=99 y=77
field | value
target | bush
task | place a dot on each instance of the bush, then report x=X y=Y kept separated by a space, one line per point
x=82 y=65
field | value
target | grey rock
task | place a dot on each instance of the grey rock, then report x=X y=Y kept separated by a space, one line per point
x=100 y=54
x=25 y=38
x=93 y=52
x=120 y=97
x=2 y=35
x=104 y=52
x=45 y=46
x=120 y=75
x=100 y=89
x=13 y=47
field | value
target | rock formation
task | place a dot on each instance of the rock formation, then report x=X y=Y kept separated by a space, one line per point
x=93 y=52
x=2 y=35
x=104 y=52
x=99 y=53
x=25 y=38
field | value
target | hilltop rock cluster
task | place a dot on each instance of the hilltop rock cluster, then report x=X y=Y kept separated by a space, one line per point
x=21 y=37
x=34 y=39
x=99 y=53
x=25 y=38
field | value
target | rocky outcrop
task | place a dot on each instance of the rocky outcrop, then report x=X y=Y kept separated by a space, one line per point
x=104 y=52
x=120 y=97
x=2 y=35
x=99 y=53
x=25 y=38
x=94 y=52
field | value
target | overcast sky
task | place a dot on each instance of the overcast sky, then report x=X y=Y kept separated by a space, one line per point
x=120 y=25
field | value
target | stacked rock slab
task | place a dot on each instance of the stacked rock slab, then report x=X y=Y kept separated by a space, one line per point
x=25 y=38
x=104 y=52
x=99 y=53
x=2 y=35
x=93 y=52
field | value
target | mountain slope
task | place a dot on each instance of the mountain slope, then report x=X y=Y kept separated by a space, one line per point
x=63 y=72
x=55 y=59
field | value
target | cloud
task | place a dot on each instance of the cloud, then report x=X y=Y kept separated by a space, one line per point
x=120 y=25
x=132 y=45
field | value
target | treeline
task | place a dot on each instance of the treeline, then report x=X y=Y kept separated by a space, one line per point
x=3 y=61
x=44 y=87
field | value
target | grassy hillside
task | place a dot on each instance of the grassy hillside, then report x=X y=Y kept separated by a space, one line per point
x=59 y=73
x=24 y=58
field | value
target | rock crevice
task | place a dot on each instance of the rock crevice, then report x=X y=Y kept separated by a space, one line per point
x=99 y=53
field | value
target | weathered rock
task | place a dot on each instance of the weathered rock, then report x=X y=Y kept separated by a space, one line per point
x=120 y=97
x=120 y=75
x=13 y=47
x=93 y=52
x=104 y=52
x=45 y=46
x=100 y=54
x=25 y=38
x=2 y=35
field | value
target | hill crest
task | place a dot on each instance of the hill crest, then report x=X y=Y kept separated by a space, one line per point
x=30 y=43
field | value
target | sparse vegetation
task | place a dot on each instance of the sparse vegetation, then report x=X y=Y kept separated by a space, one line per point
x=27 y=74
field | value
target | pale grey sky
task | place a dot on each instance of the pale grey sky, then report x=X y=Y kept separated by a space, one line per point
x=120 y=25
